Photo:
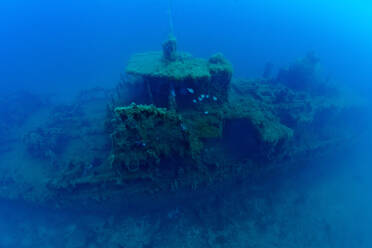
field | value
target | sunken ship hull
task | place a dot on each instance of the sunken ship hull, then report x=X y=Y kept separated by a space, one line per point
x=177 y=127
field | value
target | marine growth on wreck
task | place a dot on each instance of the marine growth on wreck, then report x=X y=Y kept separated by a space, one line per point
x=176 y=122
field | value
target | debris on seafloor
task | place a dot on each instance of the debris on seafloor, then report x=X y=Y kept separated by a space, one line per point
x=14 y=115
x=179 y=122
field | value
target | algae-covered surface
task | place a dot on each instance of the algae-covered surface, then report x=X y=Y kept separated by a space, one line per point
x=152 y=64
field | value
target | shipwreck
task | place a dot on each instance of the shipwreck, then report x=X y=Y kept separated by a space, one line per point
x=176 y=123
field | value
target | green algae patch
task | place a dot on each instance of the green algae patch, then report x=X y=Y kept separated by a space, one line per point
x=153 y=65
x=178 y=82
x=268 y=126
x=147 y=138
x=205 y=126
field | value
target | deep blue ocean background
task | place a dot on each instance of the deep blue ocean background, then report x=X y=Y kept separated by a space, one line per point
x=69 y=45
x=62 y=47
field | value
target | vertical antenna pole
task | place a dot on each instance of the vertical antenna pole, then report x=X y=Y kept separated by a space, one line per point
x=170 y=46
x=170 y=17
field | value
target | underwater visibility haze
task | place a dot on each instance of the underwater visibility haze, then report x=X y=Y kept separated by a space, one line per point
x=178 y=123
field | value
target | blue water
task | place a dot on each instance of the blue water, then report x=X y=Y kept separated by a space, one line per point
x=46 y=46
x=58 y=48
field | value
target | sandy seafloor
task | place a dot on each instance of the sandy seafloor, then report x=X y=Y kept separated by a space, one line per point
x=323 y=205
